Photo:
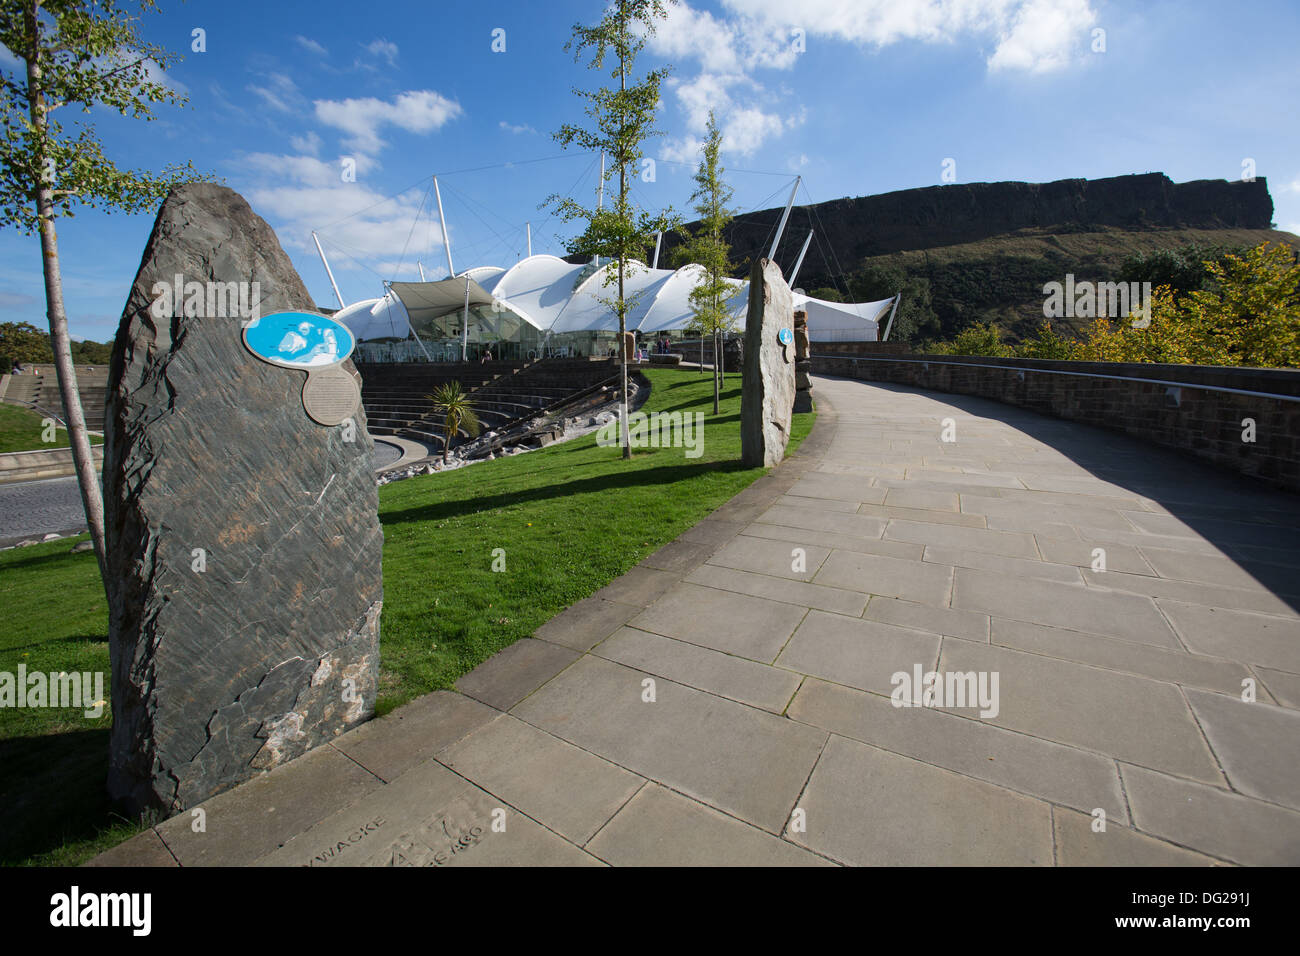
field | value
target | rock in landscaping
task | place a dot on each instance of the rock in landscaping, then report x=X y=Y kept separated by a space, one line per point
x=243 y=538
x=802 y=364
x=83 y=546
x=767 y=392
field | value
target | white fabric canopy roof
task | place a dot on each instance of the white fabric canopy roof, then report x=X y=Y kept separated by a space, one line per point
x=557 y=297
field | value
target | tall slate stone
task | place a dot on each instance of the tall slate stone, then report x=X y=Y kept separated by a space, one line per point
x=767 y=391
x=243 y=539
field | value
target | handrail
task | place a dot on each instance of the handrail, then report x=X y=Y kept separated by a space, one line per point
x=1057 y=371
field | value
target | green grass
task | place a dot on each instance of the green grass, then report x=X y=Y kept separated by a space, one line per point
x=570 y=518
x=20 y=430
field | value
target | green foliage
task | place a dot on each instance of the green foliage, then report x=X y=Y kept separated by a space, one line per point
x=622 y=119
x=24 y=342
x=827 y=294
x=457 y=411
x=708 y=247
x=1046 y=344
x=1245 y=311
x=83 y=54
x=1182 y=270
x=915 y=317
x=982 y=338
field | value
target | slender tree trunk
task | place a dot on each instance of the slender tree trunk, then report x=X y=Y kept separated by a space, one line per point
x=92 y=495
x=622 y=306
x=716 y=388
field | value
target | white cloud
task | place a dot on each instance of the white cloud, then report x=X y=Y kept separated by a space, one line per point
x=384 y=49
x=302 y=193
x=1031 y=35
x=719 y=45
x=512 y=128
x=277 y=91
x=744 y=128
x=311 y=46
x=1045 y=36
x=309 y=144
x=416 y=111
x=732 y=49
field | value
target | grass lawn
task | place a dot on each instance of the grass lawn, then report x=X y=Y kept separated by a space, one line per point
x=20 y=430
x=570 y=518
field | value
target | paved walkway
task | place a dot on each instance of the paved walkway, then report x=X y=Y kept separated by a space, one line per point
x=729 y=700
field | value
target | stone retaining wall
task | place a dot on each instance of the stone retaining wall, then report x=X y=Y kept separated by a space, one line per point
x=1194 y=409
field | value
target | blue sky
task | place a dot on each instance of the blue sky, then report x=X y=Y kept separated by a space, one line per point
x=857 y=96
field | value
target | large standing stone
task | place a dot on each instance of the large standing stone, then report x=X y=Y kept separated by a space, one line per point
x=767 y=394
x=243 y=538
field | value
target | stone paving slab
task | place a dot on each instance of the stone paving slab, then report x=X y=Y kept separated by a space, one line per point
x=1078 y=844
x=661 y=828
x=1283 y=687
x=1129 y=617
x=508 y=677
x=799 y=593
x=566 y=789
x=1142 y=721
x=776 y=558
x=975 y=748
x=1192 y=592
x=394 y=743
x=146 y=849
x=1253 y=638
x=1257 y=743
x=735 y=678
x=743 y=761
x=585 y=624
x=917 y=581
x=869 y=807
x=815 y=519
x=642 y=586
x=864 y=654
x=924 y=617
x=1006 y=543
x=240 y=825
x=1158 y=663
x=429 y=816
x=1118 y=557
x=836 y=540
x=1002 y=565
x=1212 y=820
x=733 y=623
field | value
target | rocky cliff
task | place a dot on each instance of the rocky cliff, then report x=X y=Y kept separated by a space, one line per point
x=849 y=230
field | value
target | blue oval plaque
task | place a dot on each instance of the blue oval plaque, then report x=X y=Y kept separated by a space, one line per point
x=785 y=336
x=301 y=340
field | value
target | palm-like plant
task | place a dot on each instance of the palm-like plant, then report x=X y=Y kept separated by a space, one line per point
x=457 y=412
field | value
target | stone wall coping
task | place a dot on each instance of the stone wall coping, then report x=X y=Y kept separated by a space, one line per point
x=1048 y=369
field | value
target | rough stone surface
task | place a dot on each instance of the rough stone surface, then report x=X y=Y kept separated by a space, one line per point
x=803 y=364
x=272 y=648
x=767 y=395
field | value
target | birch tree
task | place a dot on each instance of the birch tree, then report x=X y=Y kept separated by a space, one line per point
x=622 y=119
x=74 y=54
x=711 y=251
